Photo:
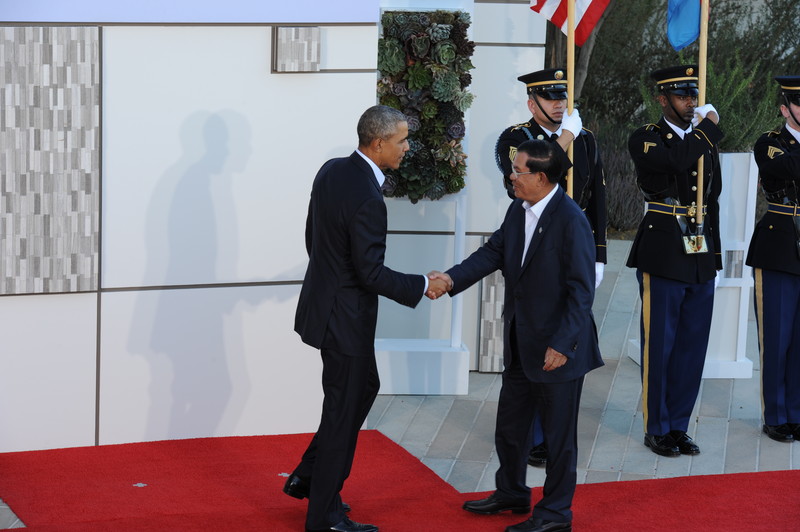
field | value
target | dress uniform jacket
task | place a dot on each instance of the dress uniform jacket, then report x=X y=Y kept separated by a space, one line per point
x=774 y=245
x=666 y=171
x=588 y=186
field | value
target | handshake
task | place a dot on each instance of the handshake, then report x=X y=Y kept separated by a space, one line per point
x=438 y=284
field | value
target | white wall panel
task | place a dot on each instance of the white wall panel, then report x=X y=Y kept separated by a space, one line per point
x=209 y=158
x=47 y=380
x=430 y=319
x=205 y=362
x=509 y=23
x=500 y=102
x=197 y=11
x=349 y=47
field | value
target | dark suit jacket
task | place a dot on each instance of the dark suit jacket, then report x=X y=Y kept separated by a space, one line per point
x=774 y=242
x=666 y=167
x=346 y=243
x=588 y=186
x=548 y=299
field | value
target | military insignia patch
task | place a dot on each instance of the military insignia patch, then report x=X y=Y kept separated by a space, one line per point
x=512 y=152
x=648 y=145
x=773 y=152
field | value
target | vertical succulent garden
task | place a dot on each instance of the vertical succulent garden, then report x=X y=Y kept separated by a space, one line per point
x=424 y=63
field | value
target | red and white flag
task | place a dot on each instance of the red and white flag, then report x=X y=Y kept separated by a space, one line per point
x=587 y=13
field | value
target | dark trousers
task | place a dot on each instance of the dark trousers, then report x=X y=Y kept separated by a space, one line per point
x=777 y=305
x=674 y=327
x=350 y=385
x=557 y=405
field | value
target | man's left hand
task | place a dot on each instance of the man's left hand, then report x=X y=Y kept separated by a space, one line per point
x=553 y=359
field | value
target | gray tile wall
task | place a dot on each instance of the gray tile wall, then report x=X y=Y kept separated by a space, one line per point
x=490 y=348
x=49 y=159
x=298 y=49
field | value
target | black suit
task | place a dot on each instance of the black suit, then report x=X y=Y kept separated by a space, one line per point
x=548 y=303
x=337 y=312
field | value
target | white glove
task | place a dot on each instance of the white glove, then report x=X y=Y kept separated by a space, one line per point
x=716 y=280
x=572 y=122
x=599 y=268
x=701 y=112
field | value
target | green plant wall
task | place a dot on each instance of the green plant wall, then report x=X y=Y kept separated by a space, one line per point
x=424 y=59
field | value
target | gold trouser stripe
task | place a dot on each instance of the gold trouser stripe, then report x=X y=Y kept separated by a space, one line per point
x=645 y=343
x=759 y=295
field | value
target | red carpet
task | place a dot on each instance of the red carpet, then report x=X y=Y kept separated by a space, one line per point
x=235 y=484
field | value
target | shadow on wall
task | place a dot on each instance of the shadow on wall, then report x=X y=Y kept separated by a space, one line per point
x=194 y=357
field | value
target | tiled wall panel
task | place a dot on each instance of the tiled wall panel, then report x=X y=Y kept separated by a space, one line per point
x=49 y=159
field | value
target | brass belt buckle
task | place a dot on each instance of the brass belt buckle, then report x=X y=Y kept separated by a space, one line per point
x=691 y=211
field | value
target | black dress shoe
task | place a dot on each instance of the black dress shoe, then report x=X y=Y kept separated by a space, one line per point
x=346 y=525
x=494 y=505
x=537 y=524
x=663 y=445
x=686 y=445
x=795 y=430
x=538 y=456
x=779 y=432
x=298 y=487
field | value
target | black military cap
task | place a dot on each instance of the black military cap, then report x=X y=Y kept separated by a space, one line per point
x=550 y=84
x=790 y=87
x=681 y=80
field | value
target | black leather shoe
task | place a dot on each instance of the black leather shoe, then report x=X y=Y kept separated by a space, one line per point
x=346 y=525
x=779 y=432
x=298 y=487
x=538 y=456
x=685 y=444
x=663 y=445
x=795 y=430
x=494 y=505
x=537 y=524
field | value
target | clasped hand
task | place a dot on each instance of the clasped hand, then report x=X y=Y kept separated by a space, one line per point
x=438 y=284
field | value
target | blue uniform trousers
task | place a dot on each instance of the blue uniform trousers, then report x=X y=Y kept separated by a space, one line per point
x=537 y=432
x=674 y=327
x=777 y=305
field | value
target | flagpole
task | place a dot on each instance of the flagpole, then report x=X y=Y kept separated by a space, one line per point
x=701 y=99
x=570 y=79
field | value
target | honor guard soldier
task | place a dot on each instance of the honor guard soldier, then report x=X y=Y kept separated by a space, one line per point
x=676 y=258
x=547 y=103
x=774 y=255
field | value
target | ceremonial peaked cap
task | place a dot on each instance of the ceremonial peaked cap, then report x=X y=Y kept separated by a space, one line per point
x=790 y=87
x=550 y=84
x=681 y=80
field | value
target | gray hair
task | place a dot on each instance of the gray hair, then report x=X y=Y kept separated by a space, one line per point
x=378 y=122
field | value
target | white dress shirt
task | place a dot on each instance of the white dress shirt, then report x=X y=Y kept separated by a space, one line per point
x=532 y=215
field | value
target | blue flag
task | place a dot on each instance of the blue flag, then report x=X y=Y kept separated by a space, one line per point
x=683 y=22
